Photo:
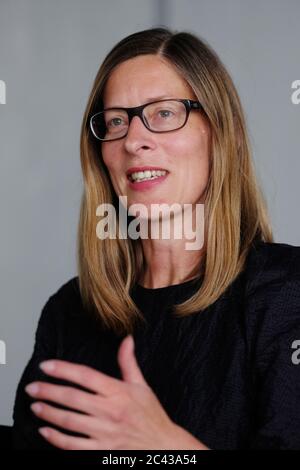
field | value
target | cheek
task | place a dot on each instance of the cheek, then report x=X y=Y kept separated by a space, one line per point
x=199 y=147
x=191 y=163
x=190 y=152
x=109 y=158
x=106 y=155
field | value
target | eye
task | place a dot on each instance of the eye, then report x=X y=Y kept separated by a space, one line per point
x=114 y=122
x=165 y=113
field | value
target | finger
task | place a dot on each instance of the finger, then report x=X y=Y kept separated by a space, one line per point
x=70 y=420
x=130 y=368
x=82 y=375
x=63 y=395
x=65 y=442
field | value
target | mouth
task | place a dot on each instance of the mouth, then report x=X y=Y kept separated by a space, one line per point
x=146 y=175
x=147 y=179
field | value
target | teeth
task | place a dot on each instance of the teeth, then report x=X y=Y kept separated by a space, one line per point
x=146 y=175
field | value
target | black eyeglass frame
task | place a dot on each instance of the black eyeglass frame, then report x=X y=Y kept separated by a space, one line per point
x=138 y=111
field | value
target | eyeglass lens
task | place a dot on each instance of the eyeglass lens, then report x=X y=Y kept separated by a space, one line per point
x=159 y=116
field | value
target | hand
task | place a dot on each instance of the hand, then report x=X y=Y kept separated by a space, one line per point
x=118 y=414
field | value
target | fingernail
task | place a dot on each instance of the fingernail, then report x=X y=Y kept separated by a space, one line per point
x=32 y=389
x=36 y=407
x=47 y=366
x=44 y=432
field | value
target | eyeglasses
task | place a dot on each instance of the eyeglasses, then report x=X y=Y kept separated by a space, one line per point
x=157 y=116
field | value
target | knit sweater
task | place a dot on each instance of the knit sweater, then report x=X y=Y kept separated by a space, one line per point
x=226 y=374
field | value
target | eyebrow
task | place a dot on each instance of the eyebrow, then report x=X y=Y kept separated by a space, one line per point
x=149 y=100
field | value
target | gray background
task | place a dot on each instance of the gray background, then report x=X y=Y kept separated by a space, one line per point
x=50 y=52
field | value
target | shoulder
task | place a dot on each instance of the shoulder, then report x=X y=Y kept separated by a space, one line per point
x=272 y=318
x=271 y=264
x=272 y=295
x=65 y=325
x=62 y=306
x=68 y=293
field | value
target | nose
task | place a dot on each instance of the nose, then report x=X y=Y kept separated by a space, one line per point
x=138 y=136
x=137 y=121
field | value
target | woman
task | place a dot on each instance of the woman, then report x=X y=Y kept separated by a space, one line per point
x=157 y=346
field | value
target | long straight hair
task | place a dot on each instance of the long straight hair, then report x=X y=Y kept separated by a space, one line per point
x=235 y=214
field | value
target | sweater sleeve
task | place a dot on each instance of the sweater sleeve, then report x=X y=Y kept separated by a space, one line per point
x=25 y=423
x=273 y=311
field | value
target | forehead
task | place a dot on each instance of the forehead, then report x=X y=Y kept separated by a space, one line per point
x=143 y=78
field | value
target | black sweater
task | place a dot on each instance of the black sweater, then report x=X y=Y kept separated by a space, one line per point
x=225 y=374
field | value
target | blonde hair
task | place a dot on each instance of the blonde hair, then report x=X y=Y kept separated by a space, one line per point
x=235 y=209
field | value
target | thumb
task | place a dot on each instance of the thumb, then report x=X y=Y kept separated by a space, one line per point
x=130 y=369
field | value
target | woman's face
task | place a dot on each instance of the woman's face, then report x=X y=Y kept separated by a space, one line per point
x=184 y=153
